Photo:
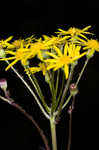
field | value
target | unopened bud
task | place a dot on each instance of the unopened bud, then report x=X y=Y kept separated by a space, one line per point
x=2 y=53
x=73 y=89
x=25 y=63
x=70 y=110
x=47 y=79
x=3 y=84
x=90 y=53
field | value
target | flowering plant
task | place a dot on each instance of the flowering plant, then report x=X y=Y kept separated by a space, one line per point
x=56 y=58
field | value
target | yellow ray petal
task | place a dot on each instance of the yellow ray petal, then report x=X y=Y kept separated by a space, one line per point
x=51 y=60
x=64 y=38
x=61 y=30
x=78 y=57
x=66 y=71
x=81 y=40
x=80 y=34
x=58 y=67
x=51 y=66
x=11 y=64
x=57 y=50
x=65 y=49
x=9 y=38
x=86 y=28
x=10 y=58
x=10 y=52
x=52 y=55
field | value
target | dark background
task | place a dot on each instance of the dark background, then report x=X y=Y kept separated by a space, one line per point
x=23 y=18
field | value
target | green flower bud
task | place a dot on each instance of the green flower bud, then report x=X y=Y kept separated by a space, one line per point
x=47 y=77
x=25 y=64
x=3 y=84
x=90 y=53
x=73 y=89
x=2 y=53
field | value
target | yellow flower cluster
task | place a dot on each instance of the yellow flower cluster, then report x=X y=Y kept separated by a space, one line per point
x=54 y=52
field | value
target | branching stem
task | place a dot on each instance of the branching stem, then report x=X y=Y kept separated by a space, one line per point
x=31 y=91
x=12 y=102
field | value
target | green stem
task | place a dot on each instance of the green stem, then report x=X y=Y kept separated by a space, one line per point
x=28 y=87
x=53 y=133
x=38 y=89
x=67 y=101
x=81 y=73
x=51 y=83
x=61 y=90
x=52 y=89
x=65 y=104
x=57 y=82
x=65 y=90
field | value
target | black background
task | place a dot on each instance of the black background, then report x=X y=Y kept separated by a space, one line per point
x=24 y=18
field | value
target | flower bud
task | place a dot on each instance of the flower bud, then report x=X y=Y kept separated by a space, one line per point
x=73 y=89
x=3 y=84
x=25 y=63
x=47 y=79
x=90 y=53
x=2 y=53
x=70 y=110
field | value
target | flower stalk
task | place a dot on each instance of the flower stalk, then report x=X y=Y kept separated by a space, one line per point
x=31 y=91
x=65 y=91
x=81 y=73
x=38 y=89
x=70 y=112
x=53 y=132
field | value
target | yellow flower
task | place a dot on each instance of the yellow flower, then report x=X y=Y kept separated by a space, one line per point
x=63 y=60
x=73 y=50
x=18 y=55
x=74 y=33
x=5 y=43
x=17 y=43
x=92 y=46
x=37 y=49
x=46 y=38
x=41 y=67
x=53 y=40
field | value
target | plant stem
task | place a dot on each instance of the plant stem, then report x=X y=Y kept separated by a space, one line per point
x=53 y=133
x=34 y=122
x=31 y=91
x=70 y=111
x=38 y=89
x=52 y=89
x=72 y=106
x=81 y=73
x=12 y=102
x=67 y=101
x=61 y=90
x=65 y=91
x=65 y=104
x=57 y=82
x=70 y=132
